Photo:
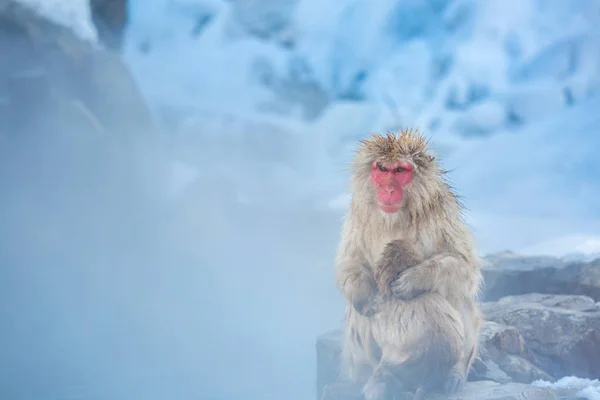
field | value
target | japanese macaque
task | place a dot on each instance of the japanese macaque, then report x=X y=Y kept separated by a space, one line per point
x=419 y=318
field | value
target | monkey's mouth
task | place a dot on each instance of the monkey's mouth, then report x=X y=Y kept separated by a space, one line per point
x=389 y=208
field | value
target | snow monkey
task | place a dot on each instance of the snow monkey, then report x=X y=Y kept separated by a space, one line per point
x=405 y=222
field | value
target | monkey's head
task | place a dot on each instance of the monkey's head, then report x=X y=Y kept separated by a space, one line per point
x=394 y=170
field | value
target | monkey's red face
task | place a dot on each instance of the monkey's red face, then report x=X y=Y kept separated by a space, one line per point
x=390 y=180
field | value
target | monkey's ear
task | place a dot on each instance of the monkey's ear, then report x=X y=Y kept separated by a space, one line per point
x=424 y=160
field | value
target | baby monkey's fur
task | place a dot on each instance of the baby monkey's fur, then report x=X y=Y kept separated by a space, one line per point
x=397 y=256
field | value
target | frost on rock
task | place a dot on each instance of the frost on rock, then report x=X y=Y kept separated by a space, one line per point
x=74 y=14
x=572 y=386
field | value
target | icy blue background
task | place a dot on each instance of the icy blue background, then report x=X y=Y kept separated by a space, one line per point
x=200 y=266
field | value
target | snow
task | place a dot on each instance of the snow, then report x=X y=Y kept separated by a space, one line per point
x=73 y=14
x=572 y=247
x=585 y=388
x=463 y=68
x=166 y=29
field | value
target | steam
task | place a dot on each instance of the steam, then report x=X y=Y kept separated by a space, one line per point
x=120 y=280
x=197 y=264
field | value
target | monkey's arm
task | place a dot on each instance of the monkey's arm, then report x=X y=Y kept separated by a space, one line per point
x=354 y=278
x=446 y=273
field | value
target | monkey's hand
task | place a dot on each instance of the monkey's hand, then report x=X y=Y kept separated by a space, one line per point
x=363 y=298
x=410 y=284
x=360 y=290
x=440 y=273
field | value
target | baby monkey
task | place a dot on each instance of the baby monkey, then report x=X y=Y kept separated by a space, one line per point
x=397 y=256
x=420 y=339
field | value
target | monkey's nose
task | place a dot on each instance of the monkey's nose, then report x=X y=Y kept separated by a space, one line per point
x=389 y=189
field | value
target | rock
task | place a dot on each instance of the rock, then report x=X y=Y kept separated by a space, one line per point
x=521 y=370
x=110 y=18
x=504 y=353
x=573 y=388
x=485 y=369
x=496 y=391
x=487 y=390
x=32 y=92
x=510 y=274
x=502 y=339
x=50 y=69
x=561 y=333
x=265 y=19
x=328 y=359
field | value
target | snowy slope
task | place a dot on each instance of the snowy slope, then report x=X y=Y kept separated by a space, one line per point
x=462 y=67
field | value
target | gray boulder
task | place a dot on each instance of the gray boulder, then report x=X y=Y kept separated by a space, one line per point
x=561 y=332
x=508 y=274
x=110 y=18
x=50 y=74
x=328 y=359
x=504 y=356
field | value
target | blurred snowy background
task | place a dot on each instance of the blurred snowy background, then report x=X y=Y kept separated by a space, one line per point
x=506 y=89
x=206 y=272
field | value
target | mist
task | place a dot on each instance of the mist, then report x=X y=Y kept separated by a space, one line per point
x=195 y=261
x=115 y=287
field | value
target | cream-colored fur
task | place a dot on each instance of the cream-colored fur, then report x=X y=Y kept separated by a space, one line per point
x=379 y=333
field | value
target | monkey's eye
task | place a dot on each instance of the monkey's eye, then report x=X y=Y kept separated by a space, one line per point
x=381 y=167
x=400 y=169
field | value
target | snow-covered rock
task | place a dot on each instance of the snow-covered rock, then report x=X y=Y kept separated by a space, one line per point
x=513 y=274
x=73 y=14
x=66 y=72
x=110 y=18
x=572 y=387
